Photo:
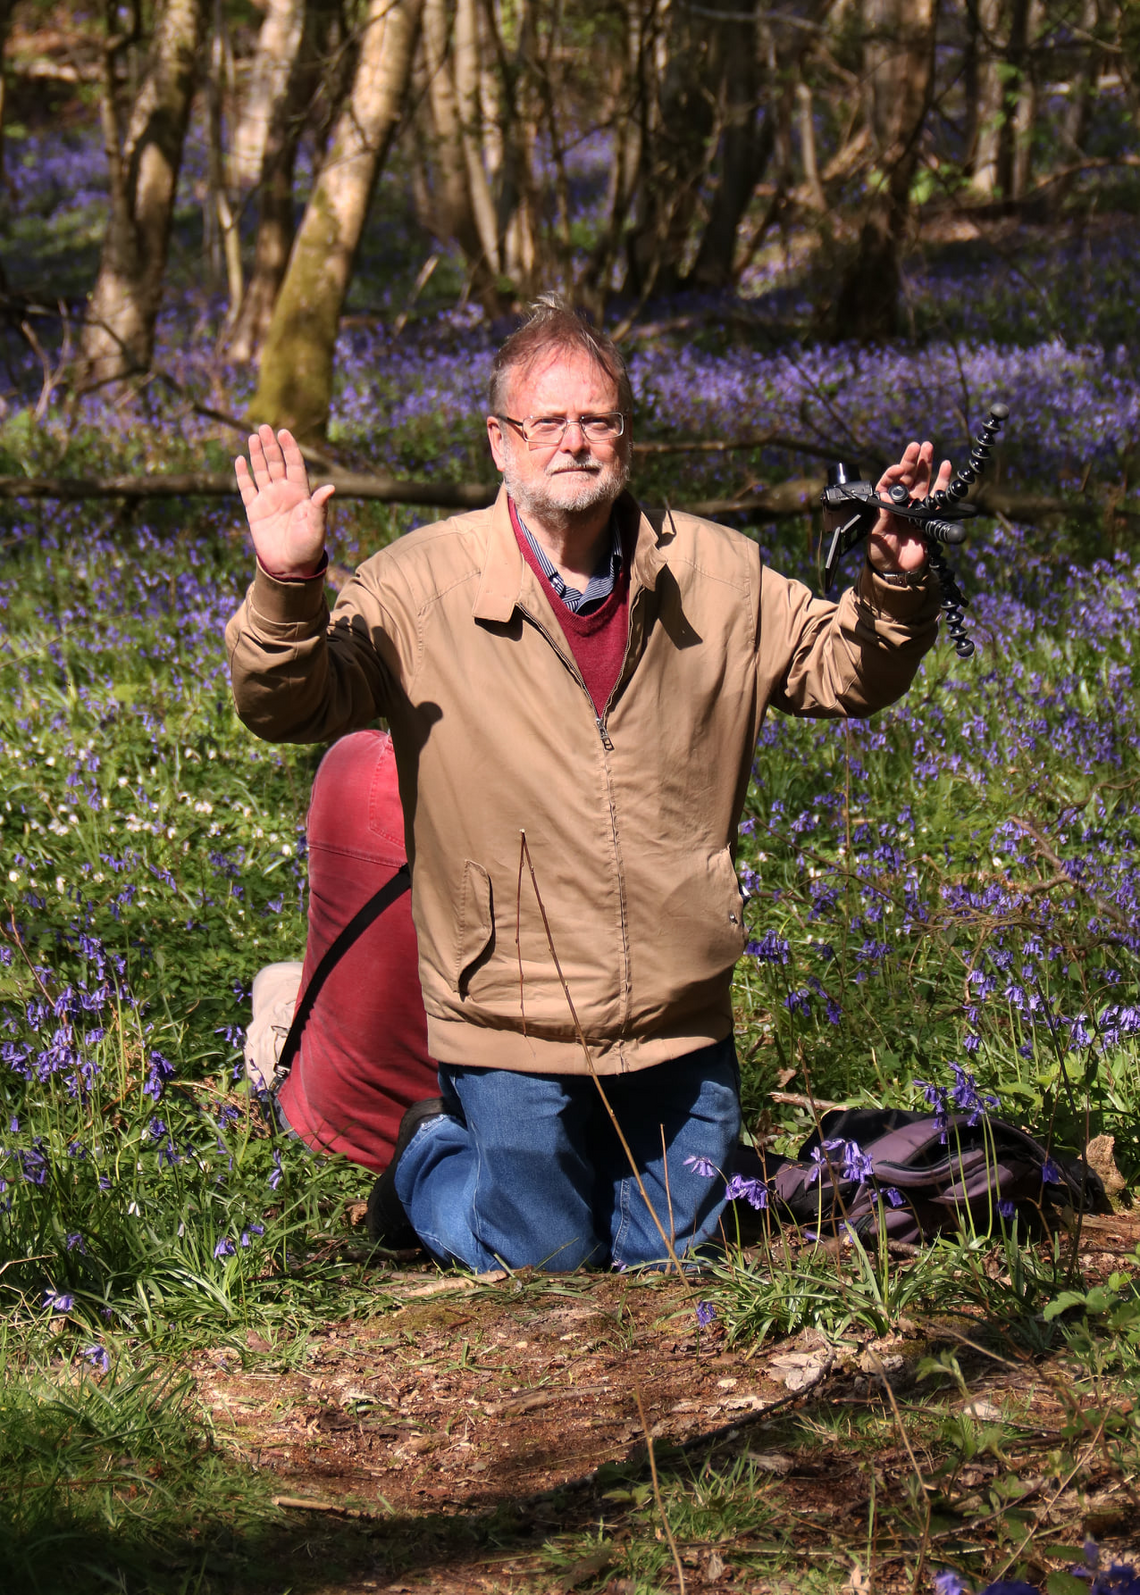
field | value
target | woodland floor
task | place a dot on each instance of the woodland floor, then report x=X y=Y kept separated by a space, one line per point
x=473 y=1438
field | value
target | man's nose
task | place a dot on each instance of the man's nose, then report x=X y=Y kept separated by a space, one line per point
x=580 y=442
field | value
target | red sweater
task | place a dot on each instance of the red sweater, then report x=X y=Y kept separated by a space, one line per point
x=597 y=641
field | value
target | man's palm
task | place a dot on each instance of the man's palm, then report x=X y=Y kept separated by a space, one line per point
x=286 y=521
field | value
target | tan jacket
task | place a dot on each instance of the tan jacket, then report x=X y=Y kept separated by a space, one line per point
x=630 y=820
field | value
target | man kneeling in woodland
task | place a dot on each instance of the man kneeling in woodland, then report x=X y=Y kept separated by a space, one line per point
x=574 y=688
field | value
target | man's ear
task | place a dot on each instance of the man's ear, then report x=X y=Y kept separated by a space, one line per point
x=497 y=441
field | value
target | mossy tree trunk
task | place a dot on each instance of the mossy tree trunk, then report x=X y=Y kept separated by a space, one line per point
x=287 y=119
x=278 y=42
x=296 y=367
x=118 y=336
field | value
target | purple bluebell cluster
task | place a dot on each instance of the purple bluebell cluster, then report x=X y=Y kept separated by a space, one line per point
x=130 y=813
x=1118 y=1578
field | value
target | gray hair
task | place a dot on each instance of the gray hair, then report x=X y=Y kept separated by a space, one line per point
x=552 y=325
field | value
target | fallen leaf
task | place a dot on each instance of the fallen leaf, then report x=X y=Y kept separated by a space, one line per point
x=587 y=1567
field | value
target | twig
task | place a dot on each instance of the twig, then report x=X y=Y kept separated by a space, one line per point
x=657 y=1490
x=924 y=1543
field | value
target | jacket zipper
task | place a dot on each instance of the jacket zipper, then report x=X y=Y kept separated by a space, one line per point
x=608 y=747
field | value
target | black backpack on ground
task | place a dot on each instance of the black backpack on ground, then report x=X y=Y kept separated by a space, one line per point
x=914 y=1176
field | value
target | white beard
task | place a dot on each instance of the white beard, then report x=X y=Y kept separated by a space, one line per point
x=564 y=494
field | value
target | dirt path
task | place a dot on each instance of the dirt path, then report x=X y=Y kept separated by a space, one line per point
x=439 y=1446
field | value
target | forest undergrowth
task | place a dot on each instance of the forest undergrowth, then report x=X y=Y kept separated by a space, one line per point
x=952 y=883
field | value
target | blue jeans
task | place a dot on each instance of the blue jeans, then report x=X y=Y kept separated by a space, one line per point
x=526 y=1169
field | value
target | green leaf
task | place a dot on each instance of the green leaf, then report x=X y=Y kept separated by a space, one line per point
x=1065 y=1584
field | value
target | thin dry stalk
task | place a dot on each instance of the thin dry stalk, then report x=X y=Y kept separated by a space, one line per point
x=524 y=854
x=924 y=1543
x=657 y=1491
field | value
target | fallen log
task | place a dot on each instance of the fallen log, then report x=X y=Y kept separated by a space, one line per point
x=786 y=500
x=221 y=484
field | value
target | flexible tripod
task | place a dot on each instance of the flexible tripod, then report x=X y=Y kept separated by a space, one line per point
x=851 y=507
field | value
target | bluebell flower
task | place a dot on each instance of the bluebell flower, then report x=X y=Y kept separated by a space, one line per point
x=1050 y=1173
x=706 y=1312
x=278 y=1173
x=754 y=1192
x=699 y=1165
x=894 y=1196
x=60 y=1301
x=224 y=1248
x=97 y=1357
x=770 y=949
x=820 y=1160
x=857 y=1165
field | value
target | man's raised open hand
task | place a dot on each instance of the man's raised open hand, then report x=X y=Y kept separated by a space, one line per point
x=894 y=543
x=286 y=521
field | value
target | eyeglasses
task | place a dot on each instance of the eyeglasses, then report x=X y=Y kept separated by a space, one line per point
x=545 y=431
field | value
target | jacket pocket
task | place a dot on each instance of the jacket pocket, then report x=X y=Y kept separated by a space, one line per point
x=729 y=897
x=474 y=924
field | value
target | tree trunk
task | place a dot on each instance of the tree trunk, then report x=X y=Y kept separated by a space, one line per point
x=741 y=156
x=899 y=68
x=295 y=379
x=5 y=23
x=513 y=140
x=1004 y=26
x=468 y=73
x=221 y=238
x=674 y=153
x=118 y=336
x=1025 y=104
x=455 y=214
x=628 y=105
x=1079 y=108
x=275 y=227
x=277 y=46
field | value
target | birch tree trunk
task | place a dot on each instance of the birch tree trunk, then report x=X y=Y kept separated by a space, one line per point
x=118 y=336
x=277 y=44
x=295 y=378
x=460 y=172
x=899 y=67
x=275 y=225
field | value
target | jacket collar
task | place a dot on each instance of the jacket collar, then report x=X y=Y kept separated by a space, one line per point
x=504 y=569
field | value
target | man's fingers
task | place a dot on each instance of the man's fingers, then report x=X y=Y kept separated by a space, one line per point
x=244 y=481
x=271 y=449
x=293 y=459
x=323 y=494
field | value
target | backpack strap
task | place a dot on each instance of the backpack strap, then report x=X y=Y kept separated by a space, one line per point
x=392 y=889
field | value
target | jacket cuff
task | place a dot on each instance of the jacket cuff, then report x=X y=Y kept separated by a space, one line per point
x=289 y=600
x=915 y=600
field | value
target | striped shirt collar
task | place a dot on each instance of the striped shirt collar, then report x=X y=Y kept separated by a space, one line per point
x=600 y=585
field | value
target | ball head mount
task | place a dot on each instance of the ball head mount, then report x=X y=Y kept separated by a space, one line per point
x=851 y=507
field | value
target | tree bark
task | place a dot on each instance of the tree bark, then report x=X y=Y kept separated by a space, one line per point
x=277 y=45
x=223 y=242
x=456 y=158
x=742 y=154
x=118 y=336
x=295 y=379
x=5 y=23
x=899 y=66
x=275 y=225
x=675 y=152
